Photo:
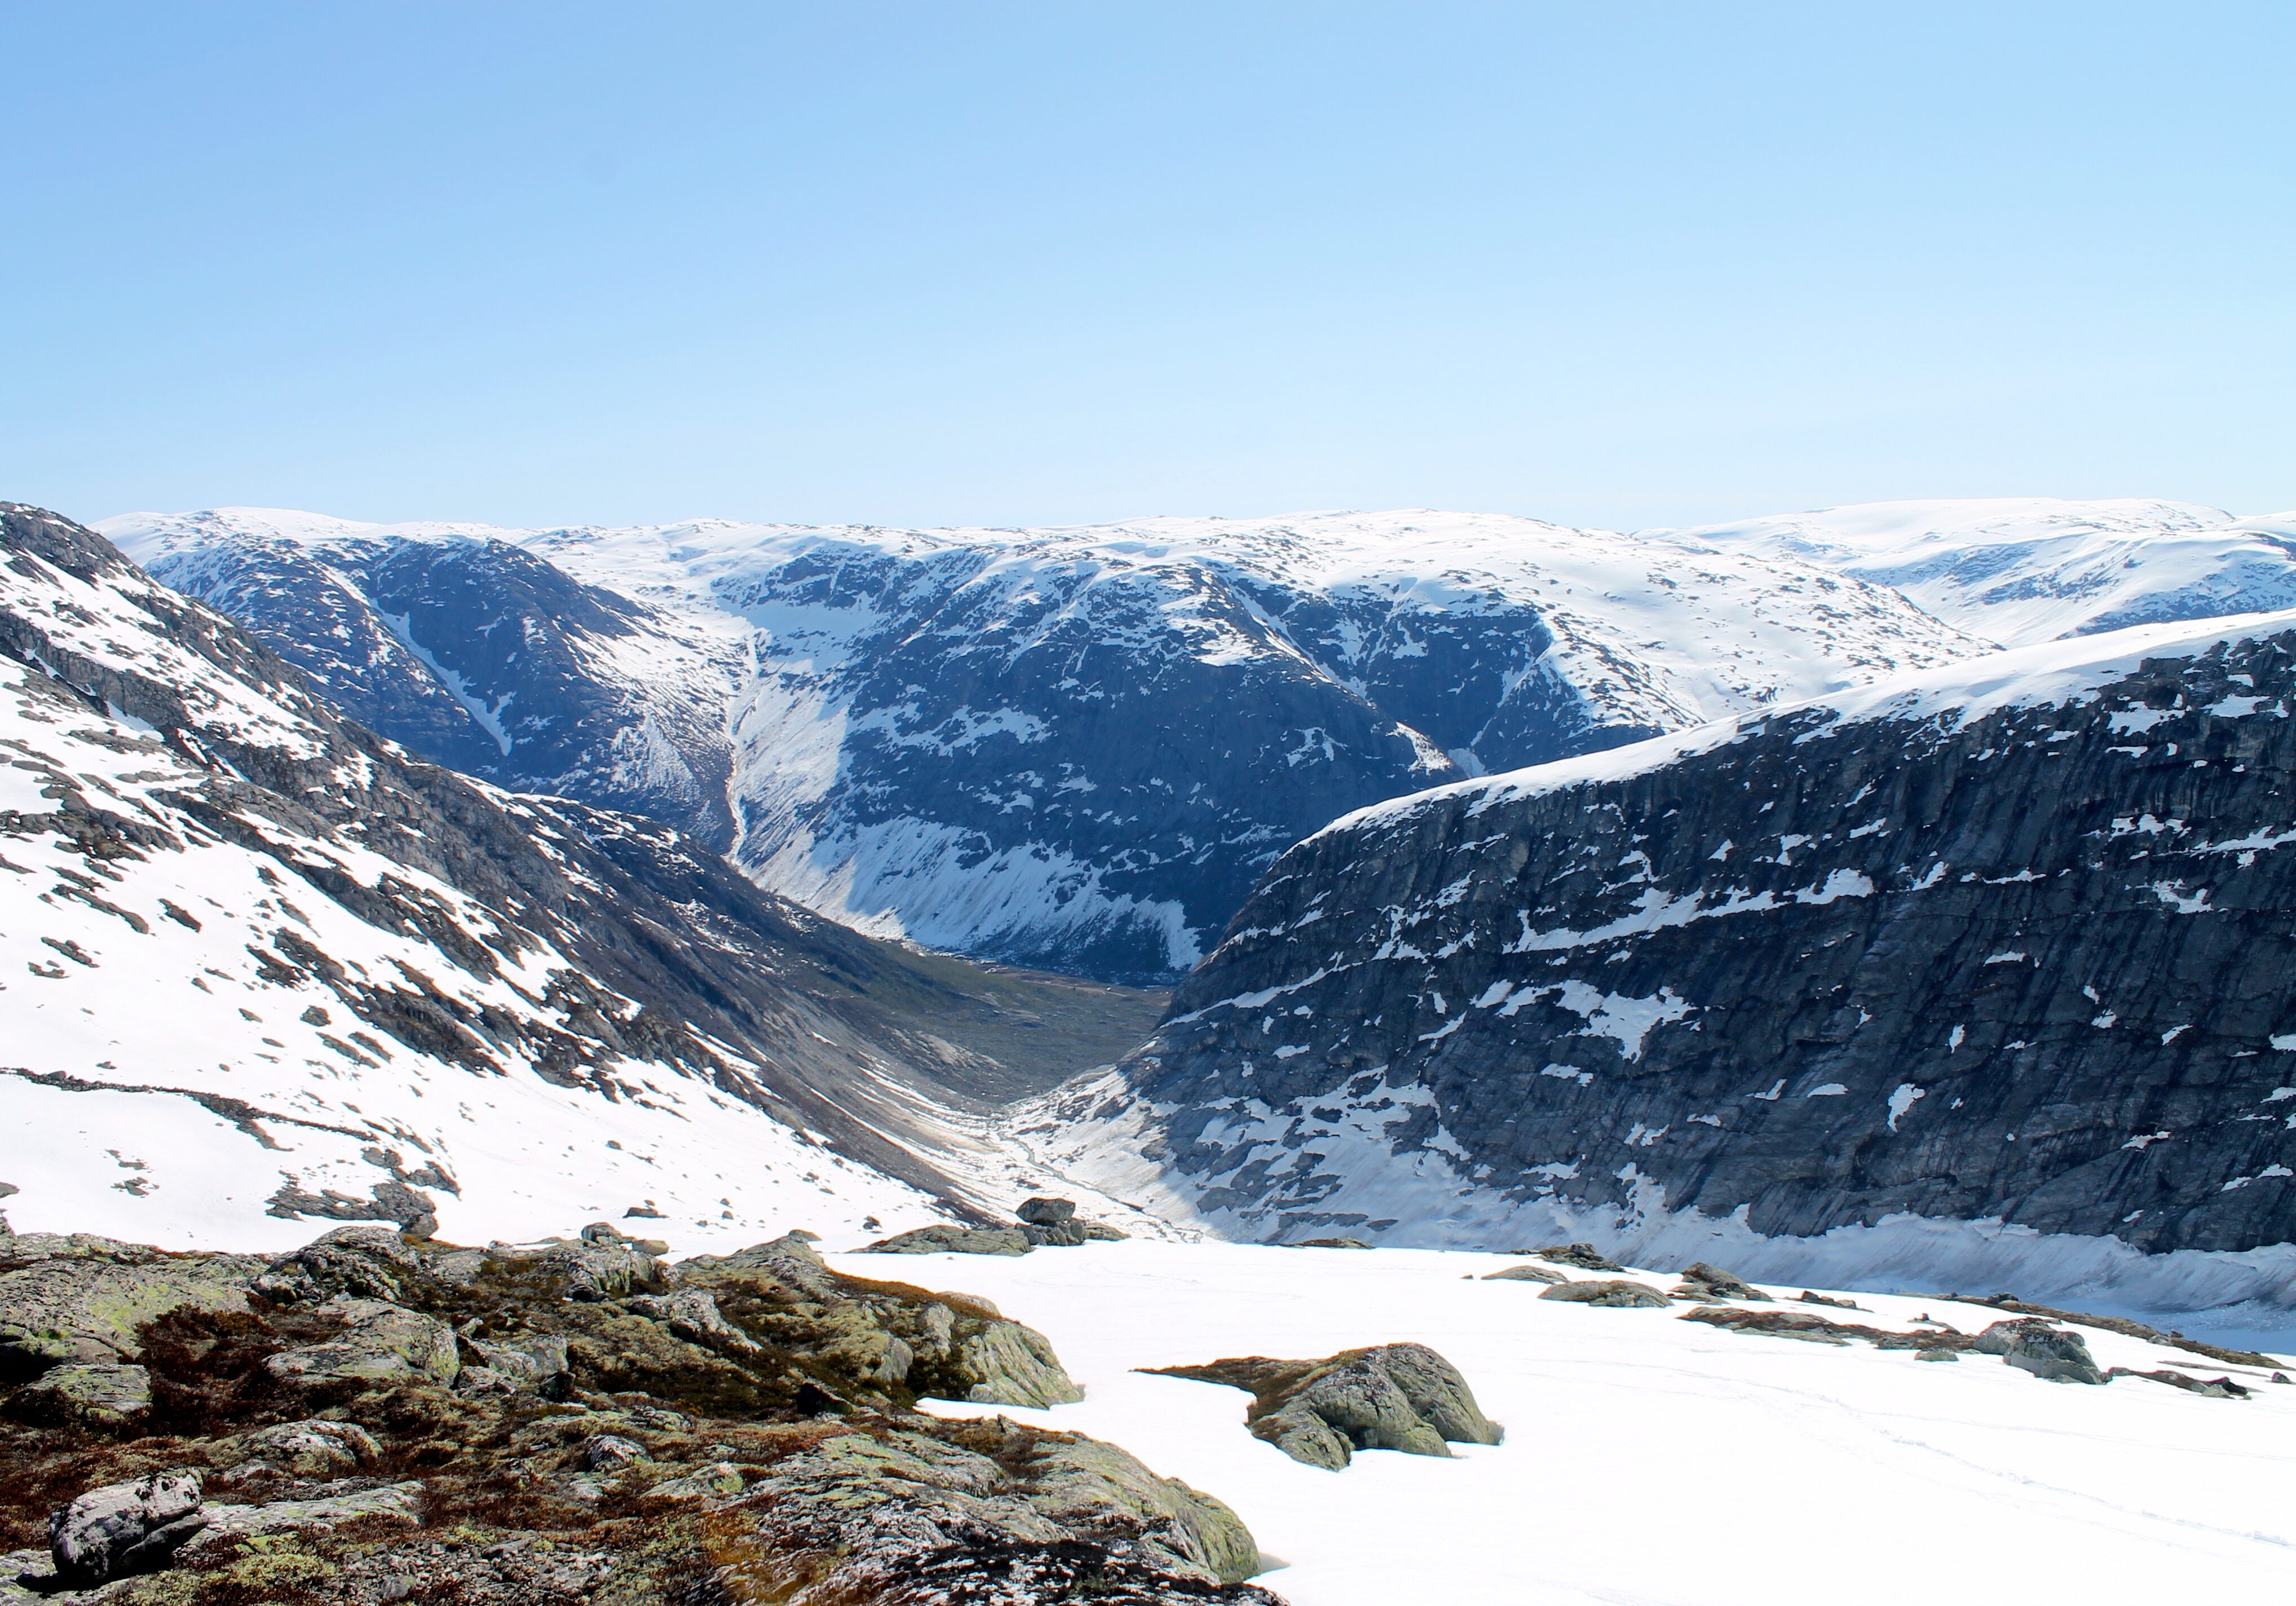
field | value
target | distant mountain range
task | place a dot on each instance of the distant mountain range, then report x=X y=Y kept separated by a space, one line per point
x=1891 y=894
x=1071 y=748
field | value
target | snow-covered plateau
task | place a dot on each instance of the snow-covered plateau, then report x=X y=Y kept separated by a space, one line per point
x=1658 y=1460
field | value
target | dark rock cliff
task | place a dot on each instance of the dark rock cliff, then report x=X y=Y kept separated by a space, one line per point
x=1959 y=956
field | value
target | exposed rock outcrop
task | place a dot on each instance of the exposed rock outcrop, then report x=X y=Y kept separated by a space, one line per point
x=752 y=1425
x=1396 y=1397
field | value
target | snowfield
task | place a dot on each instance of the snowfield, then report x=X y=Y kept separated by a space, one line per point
x=2018 y=570
x=1656 y=1462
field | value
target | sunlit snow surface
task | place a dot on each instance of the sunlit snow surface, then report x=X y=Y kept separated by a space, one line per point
x=1655 y=1461
x=2016 y=569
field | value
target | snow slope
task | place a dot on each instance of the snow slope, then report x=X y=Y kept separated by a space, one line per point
x=2033 y=568
x=1076 y=748
x=257 y=967
x=1655 y=1461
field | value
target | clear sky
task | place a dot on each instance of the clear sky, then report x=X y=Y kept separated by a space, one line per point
x=1624 y=264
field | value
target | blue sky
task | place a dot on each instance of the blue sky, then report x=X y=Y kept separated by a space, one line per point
x=943 y=263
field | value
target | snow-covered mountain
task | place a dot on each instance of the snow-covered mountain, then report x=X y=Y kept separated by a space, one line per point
x=1974 y=978
x=258 y=966
x=1071 y=748
x=2018 y=570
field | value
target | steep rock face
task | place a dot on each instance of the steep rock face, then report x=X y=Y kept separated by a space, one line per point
x=1067 y=747
x=261 y=966
x=2010 y=945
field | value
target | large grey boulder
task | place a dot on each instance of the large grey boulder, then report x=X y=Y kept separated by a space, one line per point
x=2050 y=1354
x=380 y=1343
x=1010 y=1364
x=315 y=1448
x=1046 y=1212
x=105 y=1397
x=125 y=1529
x=941 y=1240
x=1613 y=1292
x=1396 y=1396
x=692 y=1313
x=363 y=1262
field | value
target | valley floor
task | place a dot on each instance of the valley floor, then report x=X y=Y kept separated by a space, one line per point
x=1654 y=1462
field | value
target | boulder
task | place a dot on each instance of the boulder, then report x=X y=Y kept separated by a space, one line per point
x=1100 y=1231
x=315 y=1448
x=939 y=1239
x=365 y=1262
x=1004 y=1516
x=1087 y=1485
x=1524 y=1274
x=2050 y=1354
x=1010 y=1365
x=528 y=1363
x=88 y=1307
x=1612 y=1292
x=1396 y=1396
x=1712 y=1279
x=382 y=1343
x=1046 y=1212
x=692 y=1313
x=610 y=1453
x=105 y=1397
x=125 y=1529
x=393 y=1502
x=790 y=1259
x=1058 y=1234
x=603 y=1267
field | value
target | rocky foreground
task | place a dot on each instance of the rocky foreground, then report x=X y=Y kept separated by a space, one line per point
x=375 y=1418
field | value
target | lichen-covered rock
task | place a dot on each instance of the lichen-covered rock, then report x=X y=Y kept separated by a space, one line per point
x=904 y=1517
x=1396 y=1397
x=381 y=1342
x=692 y=1313
x=1046 y=1212
x=393 y=1502
x=88 y=1307
x=1613 y=1292
x=1524 y=1274
x=1010 y=1365
x=941 y=1240
x=107 y=1397
x=606 y=1449
x=314 y=1448
x=362 y=1262
x=125 y=1529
